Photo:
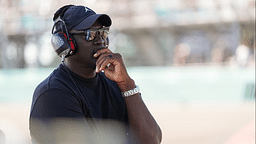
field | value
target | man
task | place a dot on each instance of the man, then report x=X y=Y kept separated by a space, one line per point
x=79 y=90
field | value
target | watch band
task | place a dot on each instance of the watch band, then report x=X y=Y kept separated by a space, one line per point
x=131 y=92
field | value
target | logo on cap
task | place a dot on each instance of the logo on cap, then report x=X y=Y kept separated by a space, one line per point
x=86 y=9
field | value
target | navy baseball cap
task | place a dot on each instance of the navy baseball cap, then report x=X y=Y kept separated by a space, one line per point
x=81 y=18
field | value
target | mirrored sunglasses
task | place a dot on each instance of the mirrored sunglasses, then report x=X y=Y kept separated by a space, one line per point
x=91 y=34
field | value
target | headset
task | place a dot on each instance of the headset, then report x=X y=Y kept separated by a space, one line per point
x=62 y=42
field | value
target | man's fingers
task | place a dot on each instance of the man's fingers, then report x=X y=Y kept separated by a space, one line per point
x=104 y=61
x=105 y=65
x=102 y=51
x=107 y=58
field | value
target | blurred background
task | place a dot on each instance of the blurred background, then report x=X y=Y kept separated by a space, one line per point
x=194 y=61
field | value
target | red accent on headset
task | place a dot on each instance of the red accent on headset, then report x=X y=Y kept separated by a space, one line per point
x=72 y=46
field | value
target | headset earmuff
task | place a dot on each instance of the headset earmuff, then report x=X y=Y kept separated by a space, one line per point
x=71 y=43
x=63 y=44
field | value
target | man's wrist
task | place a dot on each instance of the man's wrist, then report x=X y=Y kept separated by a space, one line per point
x=126 y=85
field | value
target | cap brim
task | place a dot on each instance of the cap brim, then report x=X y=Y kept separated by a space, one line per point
x=89 y=21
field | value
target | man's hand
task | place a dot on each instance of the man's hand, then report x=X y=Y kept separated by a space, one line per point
x=114 y=68
x=140 y=120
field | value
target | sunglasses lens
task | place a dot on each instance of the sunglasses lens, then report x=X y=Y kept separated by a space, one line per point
x=92 y=35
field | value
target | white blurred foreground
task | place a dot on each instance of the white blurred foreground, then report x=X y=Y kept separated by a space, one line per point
x=181 y=123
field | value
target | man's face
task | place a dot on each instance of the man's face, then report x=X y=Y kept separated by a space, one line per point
x=86 y=49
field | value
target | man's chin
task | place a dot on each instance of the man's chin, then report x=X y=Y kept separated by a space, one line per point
x=90 y=65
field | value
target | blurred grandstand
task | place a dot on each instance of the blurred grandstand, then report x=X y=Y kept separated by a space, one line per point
x=146 y=32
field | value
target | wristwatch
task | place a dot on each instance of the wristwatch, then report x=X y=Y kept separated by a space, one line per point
x=131 y=92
